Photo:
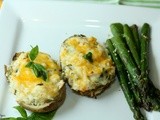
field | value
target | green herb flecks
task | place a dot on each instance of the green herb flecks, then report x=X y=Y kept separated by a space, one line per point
x=88 y=57
x=38 y=69
x=32 y=116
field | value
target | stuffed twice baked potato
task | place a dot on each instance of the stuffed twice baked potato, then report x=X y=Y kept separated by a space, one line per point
x=35 y=79
x=86 y=66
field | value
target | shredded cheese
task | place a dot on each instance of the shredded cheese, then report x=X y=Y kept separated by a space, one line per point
x=31 y=89
x=82 y=70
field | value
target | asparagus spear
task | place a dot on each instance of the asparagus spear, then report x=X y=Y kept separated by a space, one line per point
x=116 y=29
x=118 y=43
x=153 y=92
x=145 y=38
x=134 y=64
x=123 y=79
x=135 y=91
x=134 y=29
x=132 y=69
x=131 y=44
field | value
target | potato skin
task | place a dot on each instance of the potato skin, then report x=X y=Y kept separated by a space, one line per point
x=94 y=92
x=46 y=107
x=53 y=105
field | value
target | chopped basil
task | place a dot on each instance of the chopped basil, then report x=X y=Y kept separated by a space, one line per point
x=88 y=57
x=30 y=64
x=35 y=70
x=32 y=116
x=38 y=69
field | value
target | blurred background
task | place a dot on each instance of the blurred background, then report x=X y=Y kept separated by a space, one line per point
x=143 y=3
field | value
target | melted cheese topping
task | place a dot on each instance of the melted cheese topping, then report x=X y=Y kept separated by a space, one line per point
x=81 y=74
x=29 y=88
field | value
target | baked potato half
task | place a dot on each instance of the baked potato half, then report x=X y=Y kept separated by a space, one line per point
x=37 y=83
x=86 y=65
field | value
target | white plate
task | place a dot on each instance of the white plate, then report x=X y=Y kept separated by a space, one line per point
x=47 y=24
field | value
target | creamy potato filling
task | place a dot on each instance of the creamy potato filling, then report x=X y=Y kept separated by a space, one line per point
x=81 y=73
x=31 y=89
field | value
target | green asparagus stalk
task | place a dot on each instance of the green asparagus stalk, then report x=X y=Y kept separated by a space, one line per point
x=131 y=44
x=153 y=92
x=116 y=29
x=123 y=79
x=145 y=38
x=134 y=29
x=135 y=91
x=126 y=57
x=136 y=64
